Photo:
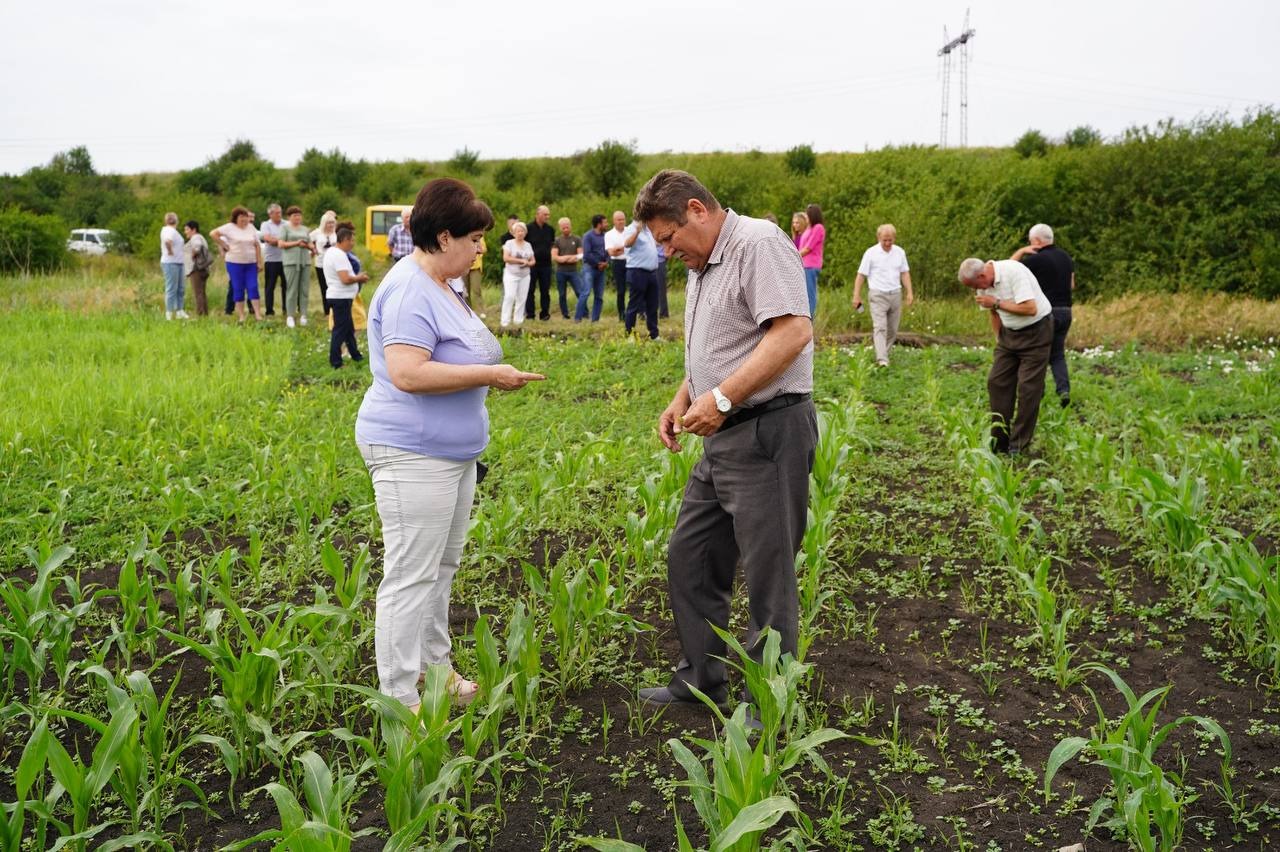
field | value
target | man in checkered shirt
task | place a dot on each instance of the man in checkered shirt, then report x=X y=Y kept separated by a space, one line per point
x=399 y=238
x=747 y=392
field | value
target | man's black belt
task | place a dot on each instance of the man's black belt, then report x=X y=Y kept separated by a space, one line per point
x=782 y=400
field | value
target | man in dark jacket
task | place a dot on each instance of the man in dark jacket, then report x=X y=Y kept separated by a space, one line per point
x=541 y=235
x=1056 y=273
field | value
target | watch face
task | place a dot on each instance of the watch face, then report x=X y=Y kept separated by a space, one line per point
x=722 y=404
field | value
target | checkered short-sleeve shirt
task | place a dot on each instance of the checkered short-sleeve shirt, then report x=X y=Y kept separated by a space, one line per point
x=753 y=275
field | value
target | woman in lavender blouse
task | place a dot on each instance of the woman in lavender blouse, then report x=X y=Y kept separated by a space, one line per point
x=420 y=428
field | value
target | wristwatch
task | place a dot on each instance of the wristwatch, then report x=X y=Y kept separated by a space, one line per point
x=722 y=402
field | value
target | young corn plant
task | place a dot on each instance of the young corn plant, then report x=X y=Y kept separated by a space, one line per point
x=582 y=614
x=524 y=642
x=322 y=825
x=1246 y=585
x=418 y=772
x=745 y=794
x=249 y=664
x=150 y=780
x=141 y=615
x=1148 y=802
x=1172 y=506
x=36 y=632
x=1040 y=603
x=115 y=760
x=29 y=782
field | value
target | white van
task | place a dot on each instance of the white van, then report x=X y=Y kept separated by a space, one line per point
x=89 y=241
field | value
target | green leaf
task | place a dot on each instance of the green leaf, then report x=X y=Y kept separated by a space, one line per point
x=608 y=844
x=753 y=819
x=1062 y=752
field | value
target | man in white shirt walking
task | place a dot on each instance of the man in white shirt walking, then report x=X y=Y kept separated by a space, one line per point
x=884 y=268
x=1022 y=319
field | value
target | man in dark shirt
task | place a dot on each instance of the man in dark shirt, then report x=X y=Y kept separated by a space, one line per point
x=507 y=235
x=541 y=235
x=595 y=260
x=1056 y=273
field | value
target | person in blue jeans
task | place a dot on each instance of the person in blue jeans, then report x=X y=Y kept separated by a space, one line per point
x=595 y=261
x=566 y=252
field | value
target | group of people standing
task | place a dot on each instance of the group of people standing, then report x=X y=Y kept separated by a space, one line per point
x=284 y=249
x=532 y=251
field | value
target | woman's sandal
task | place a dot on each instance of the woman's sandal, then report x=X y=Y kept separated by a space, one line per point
x=460 y=690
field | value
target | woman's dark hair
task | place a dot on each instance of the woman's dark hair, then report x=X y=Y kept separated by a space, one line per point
x=293 y=208
x=814 y=212
x=343 y=230
x=597 y=219
x=237 y=212
x=193 y=225
x=447 y=204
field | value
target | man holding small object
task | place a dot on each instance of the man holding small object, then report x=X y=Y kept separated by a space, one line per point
x=747 y=393
x=1022 y=320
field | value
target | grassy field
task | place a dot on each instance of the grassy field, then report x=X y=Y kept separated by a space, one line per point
x=991 y=652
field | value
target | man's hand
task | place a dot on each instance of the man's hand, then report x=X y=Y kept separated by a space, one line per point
x=910 y=300
x=702 y=418
x=669 y=424
x=985 y=300
x=1025 y=250
x=857 y=302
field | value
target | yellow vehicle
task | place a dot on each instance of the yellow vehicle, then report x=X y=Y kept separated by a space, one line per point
x=378 y=219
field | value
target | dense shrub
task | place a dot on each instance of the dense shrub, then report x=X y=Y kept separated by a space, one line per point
x=334 y=168
x=387 y=183
x=555 y=180
x=610 y=168
x=320 y=199
x=1031 y=144
x=1082 y=137
x=801 y=160
x=31 y=242
x=508 y=175
x=465 y=162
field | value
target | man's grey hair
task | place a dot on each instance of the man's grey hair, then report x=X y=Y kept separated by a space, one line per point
x=171 y=218
x=406 y=210
x=272 y=207
x=1040 y=233
x=970 y=269
x=667 y=196
x=565 y=220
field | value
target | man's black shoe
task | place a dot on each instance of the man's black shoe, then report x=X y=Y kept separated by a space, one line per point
x=1065 y=399
x=661 y=696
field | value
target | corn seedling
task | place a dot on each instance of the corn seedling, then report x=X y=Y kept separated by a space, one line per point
x=1148 y=803
x=322 y=825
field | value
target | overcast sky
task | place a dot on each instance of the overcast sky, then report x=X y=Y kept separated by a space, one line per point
x=159 y=87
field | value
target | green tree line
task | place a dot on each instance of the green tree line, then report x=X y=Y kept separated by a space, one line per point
x=1177 y=206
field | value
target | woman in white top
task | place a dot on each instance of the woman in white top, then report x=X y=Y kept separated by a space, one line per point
x=323 y=238
x=239 y=242
x=517 y=254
